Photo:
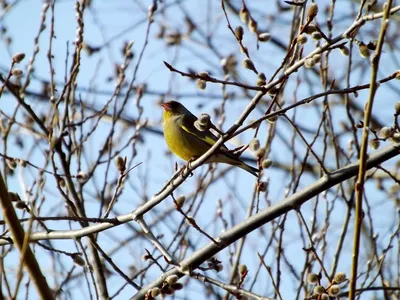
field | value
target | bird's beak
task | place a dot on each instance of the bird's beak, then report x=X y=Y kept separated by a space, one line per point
x=166 y=106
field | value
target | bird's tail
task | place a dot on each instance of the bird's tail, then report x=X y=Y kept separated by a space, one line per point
x=235 y=161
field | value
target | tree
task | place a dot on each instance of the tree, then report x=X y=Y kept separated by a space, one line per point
x=95 y=206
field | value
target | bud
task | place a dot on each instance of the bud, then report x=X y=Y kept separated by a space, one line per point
x=309 y=63
x=172 y=279
x=316 y=35
x=120 y=163
x=82 y=176
x=253 y=25
x=344 y=50
x=312 y=11
x=262 y=186
x=325 y=297
x=260 y=82
x=78 y=260
x=22 y=163
x=319 y=290
x=312 y=278
x=61 y=182
x=254 y=144
x=14 y=197
x=396 y=137
x=18 y=57
x=340 y=277
x=201 y=84
x=20 y=205
x=397 y=108
x=248 y=64
x=261 y=152
x=12 y=164
x=244 y=14
x=154 y=292
x=181 y=200
x=254 y=124
x=17 y=72
x=266 y=163
x=374 y=143
x=239 y=33
x=264 y=37
x=301 y=39
x=310 y=28
x=317 y=58
x=385 y=132
x=272 y=119
x=204 y=75
x=242 y=269
x=261 y=76
x=334 y=290
x=364 y=51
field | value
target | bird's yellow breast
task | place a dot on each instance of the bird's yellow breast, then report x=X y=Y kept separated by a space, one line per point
x=179 y=141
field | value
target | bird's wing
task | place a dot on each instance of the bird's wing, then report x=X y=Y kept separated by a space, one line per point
x=207 y=136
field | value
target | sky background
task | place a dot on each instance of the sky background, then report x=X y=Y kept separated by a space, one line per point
x=113 y=23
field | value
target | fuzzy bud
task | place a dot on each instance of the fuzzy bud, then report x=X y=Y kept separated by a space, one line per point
x=261 y=76
x=310 y=28
x=242 y=269
x=154 y=292
x=364 y=51
x=248 y=64
x=316 y=35
x=20 y=205
x=317 y=58
x=18 y=57
x=14 y=197
x=374 y=143
x=201 y=84
x=239 y=32
x=312 y=278
x=344 y=50
x=324 y=296
x=253 y=25
x=319 y=290
x=264 y=37
x=82 y=176
x=172 y=279
x=272 y=119
x=78 y=260
x=266 y=163
x=17 y=72
x=397 y=108
x=312 y=11
x=340 y=277
x=301 y=39
x=385 y=132
x=396 y=137
x=309 y=63
x=181 y=200
x=261 y=152
x=120 y=163
x=262 y=186
x=254 y=144
x=334 y=290
x=244 y=14
x=12 y=164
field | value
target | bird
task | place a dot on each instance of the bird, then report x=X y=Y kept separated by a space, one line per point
x=188 y=142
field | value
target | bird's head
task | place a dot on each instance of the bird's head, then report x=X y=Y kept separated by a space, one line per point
x=173 y=109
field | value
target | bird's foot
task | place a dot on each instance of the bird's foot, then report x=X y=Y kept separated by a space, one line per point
x=187 y=167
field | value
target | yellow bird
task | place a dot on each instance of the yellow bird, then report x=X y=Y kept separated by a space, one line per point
x=187 y=142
